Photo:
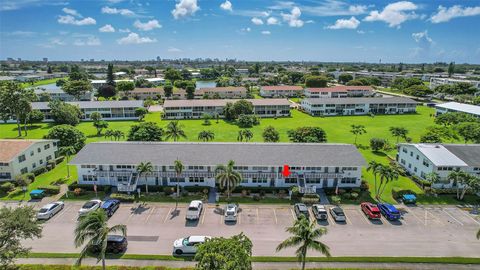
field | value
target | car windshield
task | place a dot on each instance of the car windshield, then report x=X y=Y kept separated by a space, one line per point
x=185 y=241
x=338 y=212
x=192 y=209
x=43 y=210
x=89 y=204
x=230 y=213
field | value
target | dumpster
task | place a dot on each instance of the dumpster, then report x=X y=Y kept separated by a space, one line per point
x=37 y=194
x=409 y=199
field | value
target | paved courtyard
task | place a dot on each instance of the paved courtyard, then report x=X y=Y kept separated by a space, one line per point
x=423 y=231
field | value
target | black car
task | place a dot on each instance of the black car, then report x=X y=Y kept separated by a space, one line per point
x=301 y=210
x=110 y=206
x=115 y=244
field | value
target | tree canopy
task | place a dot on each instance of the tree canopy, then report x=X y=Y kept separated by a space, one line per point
x=67 y=136
x=148 y=131
x=307 y=135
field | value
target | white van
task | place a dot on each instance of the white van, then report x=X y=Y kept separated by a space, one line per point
x=194 y=210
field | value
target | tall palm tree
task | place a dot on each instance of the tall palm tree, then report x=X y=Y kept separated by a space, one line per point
x=227 y=177
x=92 y=230
x=68 y=151
x=387 y=174
x=145 y=168
x=174 y=131
x=374 y=167
x=305 y=234
x=459 y=178
x=178 y=165
x=432 y=177
x=357 y=130
x=206 y=135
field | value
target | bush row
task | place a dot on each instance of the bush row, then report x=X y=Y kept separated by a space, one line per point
x=122 y=197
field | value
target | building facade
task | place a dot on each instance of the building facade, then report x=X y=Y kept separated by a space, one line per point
x=339 y=92
x=260 y=164
x=358 y=106
x=434 y=82
x=22 y=156
x=281 y=91
x=422 y=159
x=194 y=109
x=222 y=92
x=457 y=107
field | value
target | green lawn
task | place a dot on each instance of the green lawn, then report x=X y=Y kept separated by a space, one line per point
x=337 y=129
x=41 y=82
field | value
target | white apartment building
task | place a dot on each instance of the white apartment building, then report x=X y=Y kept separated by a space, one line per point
x=260 y=164
x=422 y=159
x=23 y=156
x=281 y=91
x=340 y=91
x=458 y=107
x=435 y=81
x=221 y=92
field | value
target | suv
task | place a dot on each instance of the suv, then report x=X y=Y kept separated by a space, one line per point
x=301 y=210
x=110 y=206
x=370 y=210
x=338 y=214
x=194 y=210
x=389 y=211
x=231 y=212
x=115 y=244
x=319 y=212
x=188 y=245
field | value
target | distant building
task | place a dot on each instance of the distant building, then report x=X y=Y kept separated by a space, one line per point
x=339 y=91
x=56 y=93
x=434 y=82
x=23 y=156
x=281 y=91
x=223 y=92
x=457 y=107
x=357 y=106
x=422 y=159
x=156 y=93
x=99 y=83
x=194 y=109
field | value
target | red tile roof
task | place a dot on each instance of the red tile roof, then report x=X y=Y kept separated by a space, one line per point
x=9 y=149
x=282 y=87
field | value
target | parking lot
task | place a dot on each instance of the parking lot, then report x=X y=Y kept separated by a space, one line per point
x=422 y=231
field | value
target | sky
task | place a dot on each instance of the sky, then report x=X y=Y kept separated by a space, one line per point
x=254 y=30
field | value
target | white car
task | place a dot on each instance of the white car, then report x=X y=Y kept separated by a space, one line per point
x=50 y=210
x=231 y=212
x=194 y=210
x=338 y=214
x=188 y=245
x=89 y=206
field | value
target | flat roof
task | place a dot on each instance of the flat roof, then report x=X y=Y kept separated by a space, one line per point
x=93 y=104
x=222 y=102
x=469 y=153
x=360 y=100
x=211 y=154
x=12 y=148
x=461 y=107
x=282 y=87
x=439 y=155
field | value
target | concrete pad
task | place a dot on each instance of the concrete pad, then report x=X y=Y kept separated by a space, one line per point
x=462 y=217
x=248 y=215
x=266 y=217
x=285 y=216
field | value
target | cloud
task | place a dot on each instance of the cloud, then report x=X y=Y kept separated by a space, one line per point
x=272 y=21
x=174 y=50
x=150 y=25
x=22 y=33
x=185 y=8
x=107 y=28
x=446 y=14
x=90 y=41
x=121 y=11
x=126 y=30
x=266 y=32
x=422 y=38
x=53 y=42
x=69 y=19
x=72 y=12
x=351 y=23
x=323 y=8
x=227 y=5
x=394 y=14
x=361 y=32
x=19 y=4
x=134 y=38
x=293 y=18
x=115 y=1
x=257 y=21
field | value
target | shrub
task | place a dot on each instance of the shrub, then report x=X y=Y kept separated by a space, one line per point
x=307 y=200
x=256 y=198
x=336 y=199
x=281 y=193
x=122 y=197
x=354 y=195
x=59 y=181
x=30 y=177
x=59 y=160
x=244 y=193
x=50 y=189
x=377 y=144
x=346 y=196
x=39 y=171
x=51 y=164
x=78 y=192
x=341 y=191
x=247 y=121
x=168 y=190
x=15 y=192
x=262 y=193
x=7 y=187
x=295 y=193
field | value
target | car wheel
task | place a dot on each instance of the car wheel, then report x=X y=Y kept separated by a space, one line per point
x=178 y=252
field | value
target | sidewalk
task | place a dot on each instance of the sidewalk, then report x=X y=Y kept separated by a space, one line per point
x=258 y=265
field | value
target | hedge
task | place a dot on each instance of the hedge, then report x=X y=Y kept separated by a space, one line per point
x=122 y=197
x=39 y=171
x=398 y=193
x=7 y=187
x=50 y=189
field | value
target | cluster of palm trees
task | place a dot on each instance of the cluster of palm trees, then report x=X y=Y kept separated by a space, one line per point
x=115 y=134
x=244 y=135
x=463 y=181
x=383 y=175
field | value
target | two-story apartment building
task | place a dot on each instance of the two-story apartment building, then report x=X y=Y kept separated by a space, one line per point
x=260 y=164
x=23 y=156
x=422 y=159
x=222 y=92
x=457 y=107
x=194 y=109
x=436 y=81
x=357 y=106
x=281 y=91
x=156 y=93
x=340 y=91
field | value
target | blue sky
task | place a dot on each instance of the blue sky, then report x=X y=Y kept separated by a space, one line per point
x=310 y=30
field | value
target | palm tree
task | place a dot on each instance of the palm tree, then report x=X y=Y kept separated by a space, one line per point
x=459 y=178
x=478 y=234
x=244 y=134
x=374 y=167
x=206 y=135
x=68 y=151
x=387 y=174
x=399 y=132
x=432 y=177
x=93 y=230
x=174 y=131
x=145 y=168
x=178 y=170
x=358 y=130
x=305 y=234
x=227 y=177
x=108 y=133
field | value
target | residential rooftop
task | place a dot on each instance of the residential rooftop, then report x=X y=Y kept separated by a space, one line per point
x=222 y=89
x=222 y=102
x=461 y=107
x=460 y=155
x=339 y=88
x=93 y=104
x=212 y=154
x=361 y=100
x=9 y=149
x=282 y=87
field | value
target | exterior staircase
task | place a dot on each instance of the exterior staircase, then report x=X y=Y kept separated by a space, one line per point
x=131 y=186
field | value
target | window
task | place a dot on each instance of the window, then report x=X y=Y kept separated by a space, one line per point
x=5 y=175
x=405 y=150
x=425 y=163
x=124 y=166
x=21 y=158
x=415 y=169
x=31 y=153
x=46 y=146
x=175 y=179
x=39 y=150
x=196 y=168
x=88 y=166
x=409 y=165
x=348 y=180
x=411 y=154
x=49 y=157
x=290 y=180
x=40 y=161
x=24 y=170
x=89 y=178
x=2 y=164
x=418 y=157
x=259 y=180
x=402 y=161
x=34 y=165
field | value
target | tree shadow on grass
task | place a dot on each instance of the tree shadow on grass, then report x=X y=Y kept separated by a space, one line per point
x=379 y=153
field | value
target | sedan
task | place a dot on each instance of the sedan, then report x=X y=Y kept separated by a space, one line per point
x=370 y=210
x=110 y=206
x=301 y=210
x=89 y=206
x=49 y=210
x=389 y=211
x=338 y=214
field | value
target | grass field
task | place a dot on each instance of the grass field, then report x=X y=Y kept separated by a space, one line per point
x=337 y=129
x=41 y=82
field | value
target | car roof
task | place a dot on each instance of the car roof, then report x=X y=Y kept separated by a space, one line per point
x=319 y=206
x=231 y=206
x=301 y=206
x=109 y=202
x=337 y=209
x=198 y=238
x=48 y=206
x=390 y=207
x=195 y=203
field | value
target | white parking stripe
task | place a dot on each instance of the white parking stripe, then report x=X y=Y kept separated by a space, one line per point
x=453 y=217
x=293 y=214
x=364 y=217
x=476 y=221
x=168 y=214
x=348 y=219
x=150 y=214
x=203 y=216
x=62 y=212
x=275 y=215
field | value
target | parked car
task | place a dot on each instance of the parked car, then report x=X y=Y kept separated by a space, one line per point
x=194 y=210
x=188 y=245
x=231 y=213
x=338 y=214
x=50 y=210
x=89 y=206
x=301 y=210
x=389 y=211
x=110 y=206
x=370 y=210
x=115 y=244
x=319 y=212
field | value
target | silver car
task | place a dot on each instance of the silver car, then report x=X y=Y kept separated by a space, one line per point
x=50 y=210
x=338 y=214
x=231 y=213
x=89 y=206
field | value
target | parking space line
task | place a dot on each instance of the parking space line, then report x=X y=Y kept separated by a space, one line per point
x=293 y=214
x=364 y=217
x=150 y=214
x=62 y=212
x=203 y=216
x=348 y=219
x=426 y=214
x=168 y=214
x=463 y=212
x=452 y=217
x=419 y=219
x=435 y=218
x=256 y=221
x=275 y=215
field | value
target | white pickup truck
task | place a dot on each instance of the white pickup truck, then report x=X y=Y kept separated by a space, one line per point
x=194 y=210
